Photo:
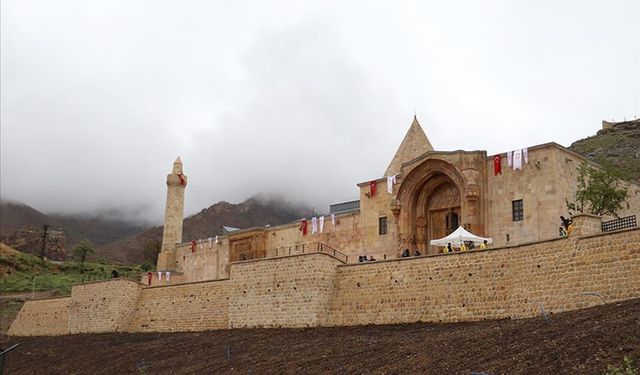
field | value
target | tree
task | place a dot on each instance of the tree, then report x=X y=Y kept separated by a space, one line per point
x=600 y=191
x=151 y=250
x=81 y=250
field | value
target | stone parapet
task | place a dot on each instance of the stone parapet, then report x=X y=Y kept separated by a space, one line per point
x=585 y=225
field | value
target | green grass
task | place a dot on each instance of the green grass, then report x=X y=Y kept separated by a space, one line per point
x=25 y=273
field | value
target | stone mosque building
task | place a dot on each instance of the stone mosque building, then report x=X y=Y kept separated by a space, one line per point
x=515 y=198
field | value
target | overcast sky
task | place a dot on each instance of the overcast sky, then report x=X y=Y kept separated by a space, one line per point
x=300 y=98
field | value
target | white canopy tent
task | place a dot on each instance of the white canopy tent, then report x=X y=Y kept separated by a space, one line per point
x=459 y=236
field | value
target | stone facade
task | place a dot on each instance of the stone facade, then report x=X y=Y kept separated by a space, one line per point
x=433 y=194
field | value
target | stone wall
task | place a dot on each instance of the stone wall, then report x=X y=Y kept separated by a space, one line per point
x=187 y=307
x=45 y=317
x=490 y=284
x=316 y=289
x=292 y=291
x=103 y=306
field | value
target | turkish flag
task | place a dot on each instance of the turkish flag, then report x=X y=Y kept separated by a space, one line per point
x=303 y=227
x=193 y=246
x=497 y=165
x=182 y=181
x=149 y=277
x=373 y=185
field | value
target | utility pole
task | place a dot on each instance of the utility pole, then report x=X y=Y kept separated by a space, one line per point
x=44 y=241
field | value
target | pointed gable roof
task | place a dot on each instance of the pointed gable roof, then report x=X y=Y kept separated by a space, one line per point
x=414 y=144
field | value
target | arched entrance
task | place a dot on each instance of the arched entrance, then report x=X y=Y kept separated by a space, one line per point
x=431 y=204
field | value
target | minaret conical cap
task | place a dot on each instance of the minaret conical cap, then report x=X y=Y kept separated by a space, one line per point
x=177 y=166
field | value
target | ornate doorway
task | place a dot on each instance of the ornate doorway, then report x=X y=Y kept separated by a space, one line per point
x=431 y=204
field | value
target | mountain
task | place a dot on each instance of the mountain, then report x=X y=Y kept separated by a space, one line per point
x=254 y=212
x=21 y=226
x=616 y=146
x=16 y=215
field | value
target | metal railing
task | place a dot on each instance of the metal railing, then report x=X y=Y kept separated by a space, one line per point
x=80 y=278
x=3 y=356
x=621 y=223
x=292 y=250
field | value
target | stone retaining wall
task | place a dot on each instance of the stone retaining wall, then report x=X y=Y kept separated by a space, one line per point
x=103 y=306
x=316 y=289
x=45 y=317
x=292 y=291
x=188 y=307
x=558 y=275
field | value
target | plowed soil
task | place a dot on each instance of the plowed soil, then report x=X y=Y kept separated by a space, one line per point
x=578 y=342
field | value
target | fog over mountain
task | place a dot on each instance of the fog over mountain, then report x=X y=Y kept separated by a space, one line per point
x=299 y=99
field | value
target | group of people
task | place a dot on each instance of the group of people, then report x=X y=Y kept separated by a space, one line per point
x=406 y=253
x=464 y=246
x=364 y=259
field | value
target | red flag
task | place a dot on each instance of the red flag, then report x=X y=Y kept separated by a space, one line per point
x=497 y=165
x=149 y=277
x=372 y=187
x=182 y=181
x=193 y=246
x=303 y=227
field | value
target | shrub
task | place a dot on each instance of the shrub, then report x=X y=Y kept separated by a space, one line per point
x=627 y=369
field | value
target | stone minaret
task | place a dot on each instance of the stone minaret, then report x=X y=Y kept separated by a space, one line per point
x=173 y=217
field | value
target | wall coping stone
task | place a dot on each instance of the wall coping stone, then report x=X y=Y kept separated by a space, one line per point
x=587 y=215
x=48 y=298
x=609 y=233
x=183 y=284
x=108 y=280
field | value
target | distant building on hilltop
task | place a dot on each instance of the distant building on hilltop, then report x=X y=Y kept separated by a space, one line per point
x=608 y=125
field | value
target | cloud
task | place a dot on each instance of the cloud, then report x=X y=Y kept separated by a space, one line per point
x=303 y=99
x=311 y=125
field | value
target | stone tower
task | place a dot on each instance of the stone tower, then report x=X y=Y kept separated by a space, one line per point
x=173 y=217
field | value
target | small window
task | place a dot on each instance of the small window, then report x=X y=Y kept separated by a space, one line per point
x=382 y=225
x=517 y=210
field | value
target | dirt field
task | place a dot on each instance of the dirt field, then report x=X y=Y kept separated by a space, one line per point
x=579 y=342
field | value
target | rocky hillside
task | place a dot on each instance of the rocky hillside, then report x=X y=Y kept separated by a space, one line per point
x=208 y=223
x=617 y=147
x=21 y=227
